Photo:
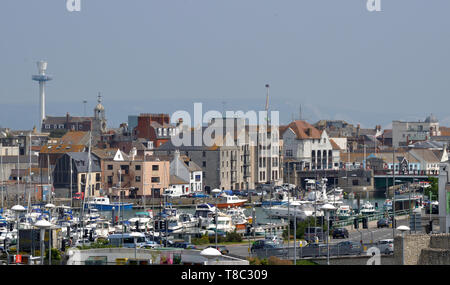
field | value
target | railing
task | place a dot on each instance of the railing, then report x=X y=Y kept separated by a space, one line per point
x=314 y=250
x=373 y=217
x=409 y=173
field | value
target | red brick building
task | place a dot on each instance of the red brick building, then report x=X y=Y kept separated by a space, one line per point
x=155 y=128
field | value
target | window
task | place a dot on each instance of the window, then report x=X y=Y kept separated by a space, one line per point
x=97 y=177
x=110 y=179
x=137 y=167
x=138 y=179
x=204 y=163
x=155 y=167
x=204 y=153
x=110 y=167
x=155 y=179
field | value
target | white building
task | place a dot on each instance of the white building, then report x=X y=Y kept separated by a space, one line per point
x=187 y=170
x=309 y=146
x=404 y=133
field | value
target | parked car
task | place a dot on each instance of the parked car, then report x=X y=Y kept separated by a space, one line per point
x=340 y=233
x=349 y=248
x=265 y=248
x=314 y=249
x=184 y=245
x=223 y=249
x=263 y=244
x=386 y=246
x=150 y=245
x=383 y=223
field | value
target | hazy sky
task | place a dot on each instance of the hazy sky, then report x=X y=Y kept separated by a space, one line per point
x=335 y=58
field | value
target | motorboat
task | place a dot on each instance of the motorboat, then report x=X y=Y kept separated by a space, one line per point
x=224 y=201
x=281 y=198
x=238 y=217
x=142 y=221
x=224 y=224
x=103 y=204
x=188 y=220
x=344 y=212
x=367 y=209
x=104 y=228
x=335 y=194
x=205 y=213
x=298 y=208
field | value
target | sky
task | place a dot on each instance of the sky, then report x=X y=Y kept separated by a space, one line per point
x=331 y=59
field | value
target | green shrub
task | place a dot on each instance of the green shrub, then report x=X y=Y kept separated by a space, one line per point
x=233 y=237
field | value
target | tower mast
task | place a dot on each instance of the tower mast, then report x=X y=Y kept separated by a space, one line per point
x=41 y=78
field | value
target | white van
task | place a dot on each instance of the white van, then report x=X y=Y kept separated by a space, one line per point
x=173 y=192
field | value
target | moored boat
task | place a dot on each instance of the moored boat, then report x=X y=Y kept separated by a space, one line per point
x=103 y=204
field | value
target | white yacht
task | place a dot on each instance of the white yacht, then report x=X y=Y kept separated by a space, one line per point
x=188 y=220
x=224 y=224
x=298 y=208
x=367 y=209
x=344 y=212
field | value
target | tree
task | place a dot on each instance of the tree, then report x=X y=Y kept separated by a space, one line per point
x=301 y=226
x=434 y=182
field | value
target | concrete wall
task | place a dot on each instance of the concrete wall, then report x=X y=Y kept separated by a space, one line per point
x=355 y=260
x=423 y=249
x=413 y=247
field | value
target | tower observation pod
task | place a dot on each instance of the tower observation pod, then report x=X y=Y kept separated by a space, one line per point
x=41 y=78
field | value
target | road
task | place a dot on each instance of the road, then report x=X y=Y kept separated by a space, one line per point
x=242 y=250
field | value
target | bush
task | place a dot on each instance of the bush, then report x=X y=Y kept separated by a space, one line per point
x=199 y=241
x=220 y=239
x=56 y=254
x=233 y=237
x=257 y=261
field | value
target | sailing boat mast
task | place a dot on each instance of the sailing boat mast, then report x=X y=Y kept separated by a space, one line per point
x=29 y=182
x=86 y=190
x=1 y=169
x=71 y=175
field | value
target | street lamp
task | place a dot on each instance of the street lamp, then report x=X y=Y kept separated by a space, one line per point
x=50 y=207
x=42 y=225
x=403 y=229
x=216 y=191
x=210 y=253
x=328 y=208
x=135 y=236
x=17 y=210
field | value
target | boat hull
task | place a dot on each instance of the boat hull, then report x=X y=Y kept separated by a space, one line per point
x=231 y=205
x=109 y=207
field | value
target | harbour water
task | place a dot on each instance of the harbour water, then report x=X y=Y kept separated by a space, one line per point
x=260 y=215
